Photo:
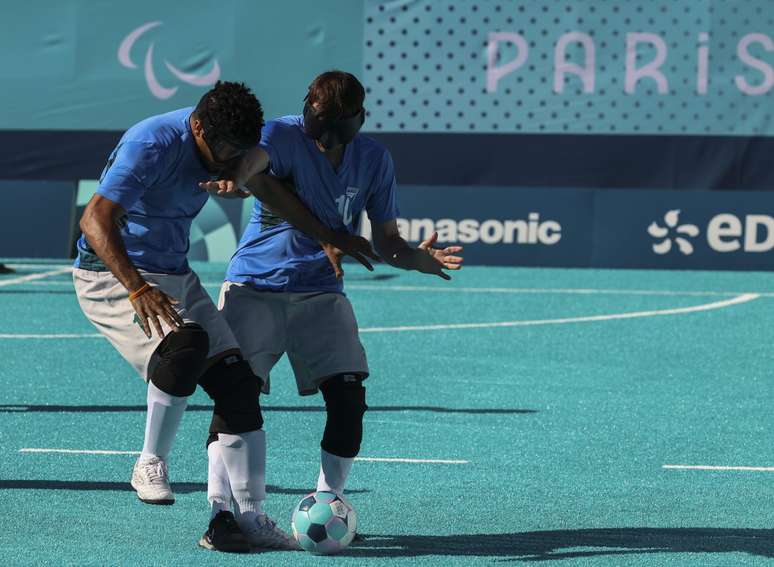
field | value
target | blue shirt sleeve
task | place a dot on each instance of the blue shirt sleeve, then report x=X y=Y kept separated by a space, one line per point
x=132 y=169
x=382 y=204
x=277 y=140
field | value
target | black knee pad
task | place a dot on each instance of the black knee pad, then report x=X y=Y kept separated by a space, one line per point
x=178 y=361
x=234 y=388
x=345 y=405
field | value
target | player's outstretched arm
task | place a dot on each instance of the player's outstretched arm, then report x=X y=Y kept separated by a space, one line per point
x=426 y=258
x=99 y=224
x=285 y=203
x=231 y=183
x=251 y=176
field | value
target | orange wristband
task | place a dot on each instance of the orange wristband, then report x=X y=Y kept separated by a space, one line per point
x=135 y=294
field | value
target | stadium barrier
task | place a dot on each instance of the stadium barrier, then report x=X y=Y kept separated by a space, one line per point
x=601 y=228
x=564 y=133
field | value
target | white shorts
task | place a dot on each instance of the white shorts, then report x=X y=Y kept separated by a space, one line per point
x=317 y=330
x=105 y=302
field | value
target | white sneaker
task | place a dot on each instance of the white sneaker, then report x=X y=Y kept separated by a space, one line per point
x=151 y=481
x=264 y=533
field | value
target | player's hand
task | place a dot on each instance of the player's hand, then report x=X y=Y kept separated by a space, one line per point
x=436 y=260
x=334 y=257
x=155 y=306
x=224 y=188
x=345 y=244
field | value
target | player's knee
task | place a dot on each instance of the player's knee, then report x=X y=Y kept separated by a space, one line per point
x=178 y=361
x=345 y=406
x=234 y=388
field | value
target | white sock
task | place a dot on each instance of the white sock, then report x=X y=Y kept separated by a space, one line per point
x=164 y=415
x=244 y=456
x=334 y=471
x=218 y=487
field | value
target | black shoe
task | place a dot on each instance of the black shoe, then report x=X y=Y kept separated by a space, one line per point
x=224 y=534
x=6 y=270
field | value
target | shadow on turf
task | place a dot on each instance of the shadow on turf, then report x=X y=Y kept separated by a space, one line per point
x=569 y=544
x=22 y=408
x=179 y=487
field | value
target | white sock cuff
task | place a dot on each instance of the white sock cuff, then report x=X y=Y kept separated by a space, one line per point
x=246 y=505
x=213 y=450
x=334 y=471
x=234 y=439
x=218 y=505
x=244 y=456
x=145 y=457
x=161 y=397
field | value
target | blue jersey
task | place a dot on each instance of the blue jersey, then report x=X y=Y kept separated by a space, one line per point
x=153 y=173
x=274 y=256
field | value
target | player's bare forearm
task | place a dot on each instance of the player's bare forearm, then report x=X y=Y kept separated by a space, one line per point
x=278 y=198
x=151 y=304
x=397 y=252
x=425 y=258
x=99 y=226
x=253 y=163
x=274 y=194
x=392 y=248
x=231 y=182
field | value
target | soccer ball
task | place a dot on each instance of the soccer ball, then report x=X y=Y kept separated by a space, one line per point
x=324 y=523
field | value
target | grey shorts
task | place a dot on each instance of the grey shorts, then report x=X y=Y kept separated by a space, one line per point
x=318 y=331
x=105 y=302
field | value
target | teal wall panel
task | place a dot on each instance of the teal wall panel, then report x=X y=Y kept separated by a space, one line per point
x=60 y=65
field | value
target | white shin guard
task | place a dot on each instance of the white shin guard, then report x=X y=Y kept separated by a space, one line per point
x=218 y=487
x=164 y=415
x=244 y=457
x=334 y=471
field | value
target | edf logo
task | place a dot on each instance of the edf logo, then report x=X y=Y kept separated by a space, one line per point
x=725 y=233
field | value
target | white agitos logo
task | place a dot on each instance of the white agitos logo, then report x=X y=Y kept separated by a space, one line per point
x=157 y=89
x=671 y=220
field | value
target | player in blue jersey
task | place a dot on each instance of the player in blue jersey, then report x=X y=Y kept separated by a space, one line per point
x=281 y=277
x=134 y=284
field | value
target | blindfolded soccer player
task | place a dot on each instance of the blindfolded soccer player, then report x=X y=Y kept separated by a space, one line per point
x=134 y=284
x=282 y=296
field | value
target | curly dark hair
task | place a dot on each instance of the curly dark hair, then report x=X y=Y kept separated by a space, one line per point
x=233 y=110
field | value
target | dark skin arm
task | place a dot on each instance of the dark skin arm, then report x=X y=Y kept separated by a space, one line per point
x=425 y=258
x=99 y=225
x=282 y=200
x=271 y=191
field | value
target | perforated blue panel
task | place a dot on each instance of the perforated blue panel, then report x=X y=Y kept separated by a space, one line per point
x=428 y=66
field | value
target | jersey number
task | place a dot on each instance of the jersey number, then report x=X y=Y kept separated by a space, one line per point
x=344 y=204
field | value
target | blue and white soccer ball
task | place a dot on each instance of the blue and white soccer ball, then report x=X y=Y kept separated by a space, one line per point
x=324 y=523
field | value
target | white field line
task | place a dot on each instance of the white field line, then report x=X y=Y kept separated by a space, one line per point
x=52 y=336
x=504 y=290
x=537 y=290
x=366 y=459
x=717 y=468
x=78 y=451
x=32 y=266
x=744 y=298
x=31 y=277
x=55 y=283
x=400 y=460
